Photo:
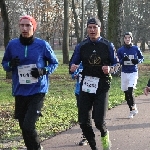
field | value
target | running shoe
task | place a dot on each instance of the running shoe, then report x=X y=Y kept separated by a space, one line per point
x=83 y=142
x=106 y=143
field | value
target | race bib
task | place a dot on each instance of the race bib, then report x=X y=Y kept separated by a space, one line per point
x=24 y=73
x=90 y=84
x=129 y=62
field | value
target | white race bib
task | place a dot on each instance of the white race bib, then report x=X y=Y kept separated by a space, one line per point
x=90 y=84
x=24 y=73
x=129 y=62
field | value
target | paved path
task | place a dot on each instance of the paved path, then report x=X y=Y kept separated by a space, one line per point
x=125 y=134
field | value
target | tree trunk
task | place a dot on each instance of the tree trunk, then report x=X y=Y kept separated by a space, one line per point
x=66 y=33
x=5 y=18
x=100 y=15
x=82 y=24
x=115 y=19
x=4 y=15
x=119 y=32
x=77 y=27
x=142 y=46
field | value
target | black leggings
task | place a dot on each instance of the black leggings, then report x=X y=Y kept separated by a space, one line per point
x=129 y=97
x=27 y=111
x=97 y=104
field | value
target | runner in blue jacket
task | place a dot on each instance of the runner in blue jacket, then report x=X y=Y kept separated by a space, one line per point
x=129 y=56
x=77 y=75
x=30 y=60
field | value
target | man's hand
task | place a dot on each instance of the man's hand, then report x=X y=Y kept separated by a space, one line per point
x=106 y=69
x=75 y=76
x=14 y=62
x=36 y=73
x=146 y=90
x=134 y=61
x=73 y=67
x=126 y=58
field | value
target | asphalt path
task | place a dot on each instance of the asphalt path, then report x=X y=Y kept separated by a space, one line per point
x=125 y=134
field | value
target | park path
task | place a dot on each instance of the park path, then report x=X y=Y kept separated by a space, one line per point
x=125 y=134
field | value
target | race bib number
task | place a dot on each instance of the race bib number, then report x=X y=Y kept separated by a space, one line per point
x=24 y=73
x=90 y=84
x=129 y=62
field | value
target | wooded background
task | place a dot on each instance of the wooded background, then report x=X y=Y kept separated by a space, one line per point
x=63 y=22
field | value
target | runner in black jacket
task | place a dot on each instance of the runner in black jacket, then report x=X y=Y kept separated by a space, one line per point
x=98 y=57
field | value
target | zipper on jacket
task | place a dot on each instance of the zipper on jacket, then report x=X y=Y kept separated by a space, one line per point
x=26 y=51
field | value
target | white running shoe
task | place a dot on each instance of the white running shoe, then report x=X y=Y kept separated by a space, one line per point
x=134 y=110
x=130 y=115
x=41 y=148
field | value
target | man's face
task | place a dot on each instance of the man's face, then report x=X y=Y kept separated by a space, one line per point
x=26 y=28
x=127 y=39
x=93 y=31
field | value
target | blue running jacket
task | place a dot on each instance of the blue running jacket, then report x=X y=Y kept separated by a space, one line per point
x=39 y=53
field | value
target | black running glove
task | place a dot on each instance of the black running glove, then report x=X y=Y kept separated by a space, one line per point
x=36 y=73
x=148 y=84
x=134 y=61
x=14 y=62
x=126 y=58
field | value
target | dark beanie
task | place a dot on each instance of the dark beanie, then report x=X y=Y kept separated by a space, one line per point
x=128 y=33
x=94 y=21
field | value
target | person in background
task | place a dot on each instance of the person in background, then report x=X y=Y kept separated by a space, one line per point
x=30 y=60
x=147 y=88
x=129 y=56
x=98 y=58
x=77 y=75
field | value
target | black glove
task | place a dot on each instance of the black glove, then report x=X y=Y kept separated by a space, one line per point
x=14 y=62
x=148 y=84
x=36 y=73
x=134 y=61
x=126 y=58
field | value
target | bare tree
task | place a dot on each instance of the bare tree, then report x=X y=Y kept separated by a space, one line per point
x=100 y=15
x=50 y=17
x=136 y=20
x=77 y=26
x=82 y=22
x=4 y=15
x=65 y=48
x=115 y=19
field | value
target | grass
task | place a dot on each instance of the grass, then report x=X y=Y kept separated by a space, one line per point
x=59 y=110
